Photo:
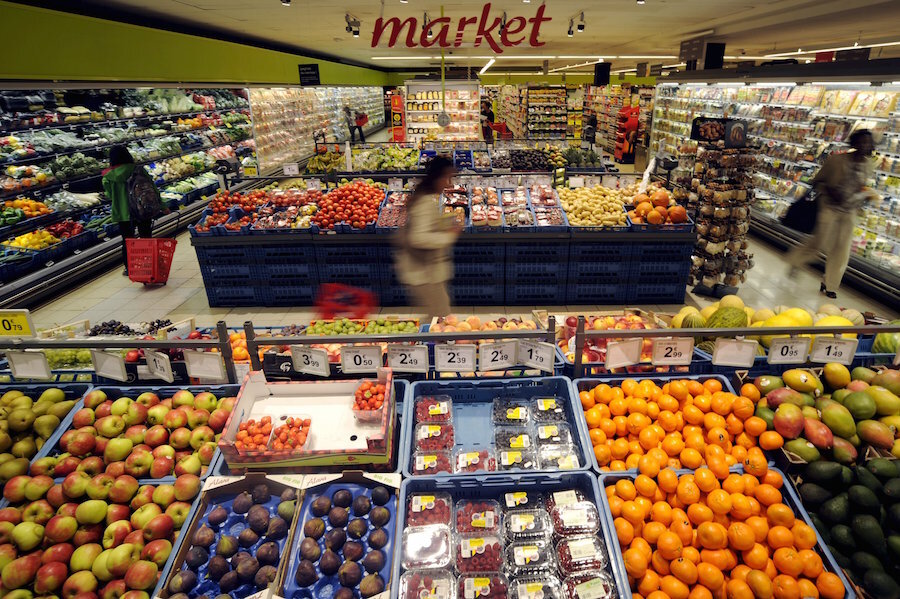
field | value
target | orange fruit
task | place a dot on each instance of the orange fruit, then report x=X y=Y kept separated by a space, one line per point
x=648 y=583
x=661 y=512
x=678 y=390
x=772 y=478
x=625 y=489
x=780 y=536
x=767 y=494
x=659 y=563
x=602 y=453
x=770 y=440
x=740 y=572
x=618 y=407
x=602 y=393
x=830 y=586
x=635 y=562
x=723 y=559
x=740 y=536
x=644 y=485
x=788 y=561
x=593 y=417
x=691 y=458
x=785 y=587
x=808 y=589
x=615 y=504
x=692 y=414
x=719 y=501
x=700 y=592
x=674 y=588
x=619 y=449
x=699 y=513
x=597 y=436
x=587 y=400
x=779 y=514
x=667 y=480
x=756 y=463
x=684 y=570
x=705 y=480
x=648 y=466
x=691 y=553
x=669 y=545
x=624 y=530
x=750 y=391
x=738 y=589
x=721 y=404
x=653 y=595
x=804 y=535
x=652 y=530
x=734 y=425
x=733 y=483
x=687 y=492
x=812 y=563
x=710 y=576
x=681 y=526
x=702 y=402
x=755 y=426
x=760 y=584
x=760 y=527
x=712 y=535
x=608 y=427
x=673 y=445
x=712 y=385
x=740 y=506
x=757 y=557
x=742 y=407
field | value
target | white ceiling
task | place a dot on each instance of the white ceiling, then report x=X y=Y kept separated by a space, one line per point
x=613 y=27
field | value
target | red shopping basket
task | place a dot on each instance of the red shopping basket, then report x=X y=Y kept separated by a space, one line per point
x=149 y=260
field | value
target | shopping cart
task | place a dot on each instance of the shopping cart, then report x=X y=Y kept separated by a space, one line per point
x=149 y=260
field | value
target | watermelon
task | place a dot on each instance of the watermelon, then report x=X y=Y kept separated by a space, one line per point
x=886 y=343
x=727 y=318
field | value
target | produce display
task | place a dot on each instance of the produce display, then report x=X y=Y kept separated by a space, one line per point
x=355 y=205
x=594 y=350
x=36 y=240
x=390 y=158
x=593 y=207
x=656 y=207
x=27 y=423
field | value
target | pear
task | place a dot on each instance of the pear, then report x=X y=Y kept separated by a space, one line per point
x=25 y=448
x=21 y=402
x=5 y=441
x=41 y=408
x=53 y=395
x=20 y=420
x=9 y=396
x=45 y=425
x=62 y=408
x=13 y=468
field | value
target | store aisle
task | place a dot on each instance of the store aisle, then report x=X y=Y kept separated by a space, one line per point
x=113 y=296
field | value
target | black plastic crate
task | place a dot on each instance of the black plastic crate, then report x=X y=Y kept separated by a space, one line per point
x=657 y=293
x=596 y=293
x=537 y=252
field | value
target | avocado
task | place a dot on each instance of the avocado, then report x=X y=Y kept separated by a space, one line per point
x=863 y=562
x=868 y=533
x=820 y=527
x=842 y=560
x=868 y=479
x=864 y=499
x=881 y=585
x=893 y=543
x=846 y=475
x=813 y=494
x=836 y=509
x=842 y=538
x=891 y=489
x=883 y=468
x=894 y=514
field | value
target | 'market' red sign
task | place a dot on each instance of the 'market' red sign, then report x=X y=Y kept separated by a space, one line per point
x=487 y=30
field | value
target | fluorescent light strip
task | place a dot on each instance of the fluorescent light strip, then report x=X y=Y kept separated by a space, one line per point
x=575 y=66
x=586 y=57
x=773 y=83
x=674 y=66
x=486 y=67
x=405 y=57
x=502 y=57
x=661 y=57
x=848 y=83
x=800 y=52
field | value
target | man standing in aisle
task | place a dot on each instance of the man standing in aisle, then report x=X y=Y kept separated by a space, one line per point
x=487 y=119
x=841 y=189
x=351 y=124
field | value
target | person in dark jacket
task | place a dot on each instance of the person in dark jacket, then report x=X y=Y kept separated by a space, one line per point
x=115 y=185
x=351 y=124
x=487 y=119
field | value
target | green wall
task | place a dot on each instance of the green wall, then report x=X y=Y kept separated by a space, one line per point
x=51 y=45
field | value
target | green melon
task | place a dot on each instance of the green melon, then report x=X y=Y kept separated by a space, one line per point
x=886 y=343
x=727 y=318
x=693 y=321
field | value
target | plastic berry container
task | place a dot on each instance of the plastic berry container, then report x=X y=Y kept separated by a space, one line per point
x=437 y=584
x=524 y=558
x=474 y=460
x=564 y=498
x=434 y=408
x=592 y=584
x=512 y=437
x=434 y=437
x=558 y=456
x=553 y=434
x=431 y=462
x=544 y=586
x=523 y=499
x=477 y=516
x=423 y=509
x=580 y=554
x=549 y=409
x=577 y=519
x=511 y=411
x=482 y=585
x=478 y=553
x=526 y=525
x=427 y=547
x=516 y=459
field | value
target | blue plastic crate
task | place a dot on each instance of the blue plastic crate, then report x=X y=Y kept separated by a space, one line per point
x=596 y=293
x=606 y=251
x=338 y=272
x=789 y=498
x=651 y=272
x=537 y=252
x=393 y=295
x=297 y=253
x=518 y=294
x=643 y=227
x=490 y=253
x=288 y=295
x=346 y=254
x=536 y=271
x=657 y=293
x=599 y=272
x=234 y=274
x=277 y=271
x=496 y=487
x=474 y=270
x=474 y=294
x=672 y=252
x=229 y=254
x=472 y=405
x=234 y=295
x=13 y=270
x=865 y=357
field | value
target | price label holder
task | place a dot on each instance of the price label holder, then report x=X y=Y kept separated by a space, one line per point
x=454 y=358
x=109 y=365
x=361 y=359
x=576 y=182
x=537 y=354
x=251 y=171
x=29 y=365
x=833 y=349
x=672 y=351
x=205 y=365
x=408 y=358
x=500 y=355
x=16 y=323
x=623 y=353
x=395 y=184
x=310 y=360
x=788 y=350
x=734 y=352
x=314 y=184
x=160 y=366
x=291 y=169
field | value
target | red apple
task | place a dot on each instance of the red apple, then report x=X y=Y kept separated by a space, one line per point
x=180 y=438
x=116 y=469
x=179 y=512
x=163 y=451
x=115 y=533
x=83 y=417
x=218 y=419
x=94 y=398
x=50 y=577
x=123 y=489
x=14 y=491
x=141 y=575
x=92 y=465
x=156 y=435
x=201 y=435
x=88 y=533
x=136 y=433
x=75 y=484
x=44 y=466
x=10 y=514
x=187 y=486
x=81 y=444
x=66 y=466
x=144 y=514
x=157 y=551
x=103 y=410
x=161 y=466
x=58 y=553
x=144 y=496
x=176 y=418
x=60 y=529
x=148 y=399
x=114 y=589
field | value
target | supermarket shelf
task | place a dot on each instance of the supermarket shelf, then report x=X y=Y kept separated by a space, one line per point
x=151 y=117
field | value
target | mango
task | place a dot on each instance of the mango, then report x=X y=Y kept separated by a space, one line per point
x=855 y=441
x=876 y=434
x=839 y=420
x=857 y=386
x=840 y=394
x=767 y=383
x=861 y=373
x=766 y=414
x=810 y=412
x=824 y=402
x=800 y=379
x=784 y=395
x=818 y=434
x=895 y=449
x=788 y=421
x=886 y=402
x=889 y=379
x=893 y=422
x=843 y=451
x=860 y=405
x=836 y=375
x=804 y=449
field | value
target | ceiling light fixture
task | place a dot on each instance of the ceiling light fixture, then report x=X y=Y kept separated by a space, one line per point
x=352 y=24
x=581 y=23
x=837 y=49
x=404 y=1
x=649 y=56
x=285 y=2
x=406 y=58
x=487 y=66
x=571 y=23
x=641 y=2
x=535 y=57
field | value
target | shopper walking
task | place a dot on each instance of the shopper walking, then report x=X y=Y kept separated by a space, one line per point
x=423 y=262
x=352 y=124
x=133 y=197
x=840 y=186
x=487 y=119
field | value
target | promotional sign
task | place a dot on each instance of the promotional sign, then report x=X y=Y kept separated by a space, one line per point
x=309 y=74
x=398 y=118
x=16 y=323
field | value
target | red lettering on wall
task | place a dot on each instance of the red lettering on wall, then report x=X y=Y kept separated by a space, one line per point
x=396 y=29
x=513 y=26
x=439 y=28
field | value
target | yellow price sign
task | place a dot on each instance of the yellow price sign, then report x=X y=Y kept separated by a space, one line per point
x=16 y=323
x=250 y=171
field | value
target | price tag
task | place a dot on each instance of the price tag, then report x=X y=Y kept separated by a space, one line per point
x=576 y=182
x=537 y=354
x=109 y=365
x=623 y=353
x=314 y=184
x=500 y=355
x=672 y=351
x=250 y=171
x=291 y=169
x=454 y=358
x=395 y=184
x=16 y=323
x=788 y=350
x=734 y=352
x=361 y=359
x=310 y=360
x=408 y=358
x=833 y=349
x=205 y=365
x=160 y=366
x=29 y=365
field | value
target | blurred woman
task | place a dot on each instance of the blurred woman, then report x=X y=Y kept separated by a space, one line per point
x=115 y=185
x=423 y=263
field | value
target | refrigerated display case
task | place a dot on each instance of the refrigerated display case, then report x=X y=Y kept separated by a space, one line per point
x=426 y=101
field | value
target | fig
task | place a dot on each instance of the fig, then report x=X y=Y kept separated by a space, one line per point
x=247 y=538
x=229 y=582
x=242 y=503
x=286 y=509
x=183 y=582
x=379 y=516
x=342 y=498
x=278 y=529
x=258 y=519
x=227 y=546
x=218 y=567
x=268 y=553
x=314 y=528
x=335 y=538
x=338 y=517
x=320 y=506
x=247 y=569
x=361 y=505
x=223 y=596
x=288 y=495
x=378 y=538
x=260 y=494
x=353 y=551
x=350 y=574
x=239 y=558
x=358 y=528
x=380 y=495
x=309 y=549
x=179 y=596
x=204 y=536
x=306 y=574
x=217 y=516
x=343 y=593
x=329 y=563
x=371 y=585
x=374 y=561
x=264 y=576
x=196 y=557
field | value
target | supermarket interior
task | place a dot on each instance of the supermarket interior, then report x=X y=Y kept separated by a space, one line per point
x=511 y=299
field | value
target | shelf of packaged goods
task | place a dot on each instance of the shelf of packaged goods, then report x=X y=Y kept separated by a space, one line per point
x=890 y=236
x=849 y=117
x=779 y=141
x=805 y=164
x=14 y=131
x=449 y=110
x=803 y=124
x=887 y=173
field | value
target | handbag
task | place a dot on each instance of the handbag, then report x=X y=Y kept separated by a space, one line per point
x=802 y=214
x=362 y=120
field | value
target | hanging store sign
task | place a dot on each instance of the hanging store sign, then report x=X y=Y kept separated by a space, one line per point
x=398 y=118
x=309 y=74
x=489 y=30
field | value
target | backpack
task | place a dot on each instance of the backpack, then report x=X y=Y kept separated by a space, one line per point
x=144 y=202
